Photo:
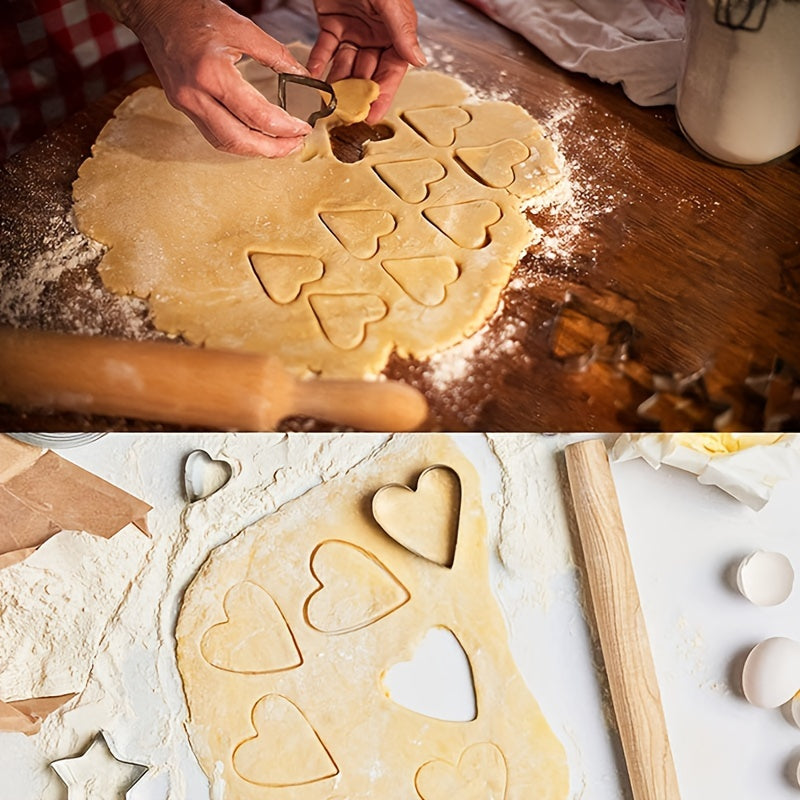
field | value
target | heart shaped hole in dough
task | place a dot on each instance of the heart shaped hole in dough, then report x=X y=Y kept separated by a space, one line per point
x=348 y=141
x=437 y=681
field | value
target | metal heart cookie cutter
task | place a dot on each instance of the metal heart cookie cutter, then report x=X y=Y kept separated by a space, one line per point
x=81 y=772
x=313 y=83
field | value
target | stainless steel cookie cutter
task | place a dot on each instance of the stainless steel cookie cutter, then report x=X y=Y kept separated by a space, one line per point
x=313 y=83
x=79 y=771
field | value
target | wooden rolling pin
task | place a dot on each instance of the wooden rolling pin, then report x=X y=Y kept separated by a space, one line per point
x=620 y=623
x=191 y=386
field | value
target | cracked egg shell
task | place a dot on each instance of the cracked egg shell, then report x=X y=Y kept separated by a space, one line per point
x=765 y=578
x=771 y=674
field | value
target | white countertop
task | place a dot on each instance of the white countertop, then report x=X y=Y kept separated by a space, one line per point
x=684 y=538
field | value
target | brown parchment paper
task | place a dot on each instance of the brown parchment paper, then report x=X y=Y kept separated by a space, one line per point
x=42 y=493
x=26 y=716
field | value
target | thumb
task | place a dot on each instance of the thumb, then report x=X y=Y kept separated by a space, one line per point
x=400 y=19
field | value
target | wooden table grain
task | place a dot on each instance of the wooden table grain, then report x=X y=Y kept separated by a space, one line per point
x=665 y=294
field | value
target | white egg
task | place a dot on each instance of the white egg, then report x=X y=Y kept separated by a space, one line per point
x=795 y=709
x=765 y=578
x=797 y=773
x=771 y=674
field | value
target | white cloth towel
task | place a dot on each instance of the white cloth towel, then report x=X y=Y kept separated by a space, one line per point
x=633 y=42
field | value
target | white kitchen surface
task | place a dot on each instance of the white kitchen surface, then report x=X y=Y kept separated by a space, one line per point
x=684 y=539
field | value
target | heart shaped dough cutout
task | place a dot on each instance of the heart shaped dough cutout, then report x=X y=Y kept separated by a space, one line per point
x=437 y=125
x=255 y=637
x=437 y=681
x=358 y=231
x=494 y=164
x=423 y=520
x=467 y=224
x=283 y=275
x=270 y=758
x=355 y=589
x=344 y=317
x=480 y=774
x=423 y=279
x=410 y=180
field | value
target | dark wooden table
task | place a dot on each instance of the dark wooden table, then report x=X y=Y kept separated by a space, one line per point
x=665 y=295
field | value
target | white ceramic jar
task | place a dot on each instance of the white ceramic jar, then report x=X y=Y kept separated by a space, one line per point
x=739 y=91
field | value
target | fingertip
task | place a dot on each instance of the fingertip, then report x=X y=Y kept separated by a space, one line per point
x=297 y=147
x=288 y=147
x=297 y=69
x=412 y=54
x=274 y=148
x=283 y=124
x=378 y=109
x=289 y=65
x=300 y=128
x=401 y=19
x=315 y=68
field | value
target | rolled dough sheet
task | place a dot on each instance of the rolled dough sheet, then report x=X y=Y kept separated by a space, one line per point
x=330 y=266
x=288 y=629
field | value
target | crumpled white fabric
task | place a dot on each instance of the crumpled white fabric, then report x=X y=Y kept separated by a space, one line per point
x=633 y=42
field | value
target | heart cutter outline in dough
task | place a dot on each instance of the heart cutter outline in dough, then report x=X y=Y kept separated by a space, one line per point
x=411 y=180
x=329 y=586
x=425 y=278
x=292 y=725
x=282 y=276
x=437 y=125
x=466 y=224
x=344 y=325
x=494 y=165
x=390 y=498
x=270 y=622
x=358 y=237
x=446 y=780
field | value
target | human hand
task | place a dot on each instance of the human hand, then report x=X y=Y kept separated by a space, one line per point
x=374 y=39
x=194 y=46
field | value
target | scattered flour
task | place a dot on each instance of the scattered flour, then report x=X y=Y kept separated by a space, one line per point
x=69 y=573
x=63 y=248
x=54 y=284
x=565 y=220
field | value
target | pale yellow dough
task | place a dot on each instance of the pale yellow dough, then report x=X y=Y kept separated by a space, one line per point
x=330 y=266
x=346 y=601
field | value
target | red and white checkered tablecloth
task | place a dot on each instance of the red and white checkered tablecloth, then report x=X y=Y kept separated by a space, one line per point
x=55 y=57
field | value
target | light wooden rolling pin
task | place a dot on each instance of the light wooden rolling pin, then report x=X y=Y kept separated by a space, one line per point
x=191 y=386
x=620 y=624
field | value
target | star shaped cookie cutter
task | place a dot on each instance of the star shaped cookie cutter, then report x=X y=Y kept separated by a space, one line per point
x=79 y=772
x=313 y=83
